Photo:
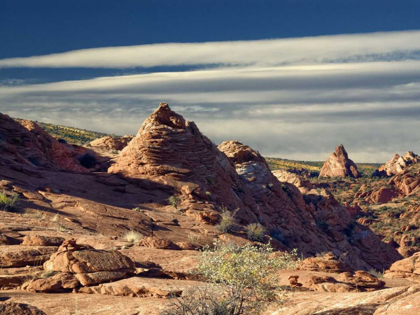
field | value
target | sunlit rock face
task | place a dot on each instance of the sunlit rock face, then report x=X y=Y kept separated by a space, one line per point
x=339 y=165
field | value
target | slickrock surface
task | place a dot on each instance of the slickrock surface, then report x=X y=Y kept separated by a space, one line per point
x=19 y=309
x=168 y=187
x=397 y=164
x=394 y=301
x=339 y=165
x=29 y=145
x=313 y=223
x=408 y=268
x=112 y=143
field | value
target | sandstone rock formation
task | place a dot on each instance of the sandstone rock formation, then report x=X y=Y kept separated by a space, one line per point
x=394 y=301
x=172 y=151
x=112 y=143
x=19 y=309
x=29 y=145
x=77 y=265
x=408 y=268
x=397 y=164
x=303 y=184
x=314 y=223
x=339 y=165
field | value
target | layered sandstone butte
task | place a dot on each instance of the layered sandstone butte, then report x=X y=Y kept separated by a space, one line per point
x=172 y=151
x=339 y=165
x=27 y=144
x=397 y=164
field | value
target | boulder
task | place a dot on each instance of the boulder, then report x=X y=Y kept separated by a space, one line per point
x=10 y=308
x=112 y=143
x=408 y=268
x=41 y=240
x=339 y=165
x=326 y=263
x=56 y=283
x=159 y=243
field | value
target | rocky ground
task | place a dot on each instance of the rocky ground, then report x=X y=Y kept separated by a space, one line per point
x=96 y=230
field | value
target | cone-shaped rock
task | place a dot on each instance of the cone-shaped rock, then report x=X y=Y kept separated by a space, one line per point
x=339 y=165
x=172 y=151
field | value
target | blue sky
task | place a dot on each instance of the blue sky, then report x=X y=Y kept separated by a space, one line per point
x=290 y=78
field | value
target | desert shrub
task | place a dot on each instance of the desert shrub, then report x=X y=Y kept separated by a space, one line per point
x=174 y=200
x=48 y=274
x=137 y=209
x=9 y=203
x=241 y=280
x=255 y=232
x=227 y=221
x=248 y=273
x=133 y=236
x=378 y=274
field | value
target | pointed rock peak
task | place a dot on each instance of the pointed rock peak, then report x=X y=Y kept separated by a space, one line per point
x=165 y=116
x=339 y=165
x=341 y=151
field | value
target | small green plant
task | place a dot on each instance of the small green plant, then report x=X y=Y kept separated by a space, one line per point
x=137 y=209
x=9 y=203
x=55 y=218
x=255 y=232
x=48 y=274
x=377 y=273
x=192 y=238
x=133 y=236
x=173 y=200
x=227 y=221
x=248 y=274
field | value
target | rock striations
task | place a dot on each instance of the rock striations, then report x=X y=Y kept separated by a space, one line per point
x=339 y=165
x=314 y=223
x=28 y=145
x=172 y=151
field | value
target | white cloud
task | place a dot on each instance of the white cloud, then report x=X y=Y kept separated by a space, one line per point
x=372 y=46
x=293 y=98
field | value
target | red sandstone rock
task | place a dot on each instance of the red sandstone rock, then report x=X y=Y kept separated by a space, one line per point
x=29 y=145
x=397 y=164
x=112 y=143
x=339 y=165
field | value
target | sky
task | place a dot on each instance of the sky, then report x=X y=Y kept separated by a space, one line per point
x=290 y=78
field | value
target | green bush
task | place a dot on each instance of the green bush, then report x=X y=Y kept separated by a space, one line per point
x=227 y=221
x=173 y=200
x=9 y=203
x=255 y=232
x=248 y=274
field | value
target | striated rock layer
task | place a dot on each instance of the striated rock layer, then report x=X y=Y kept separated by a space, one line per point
x=172 y=151
x=314 y=222
x=339 y=165
x=29 y=145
